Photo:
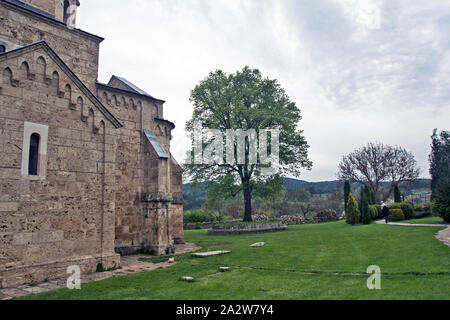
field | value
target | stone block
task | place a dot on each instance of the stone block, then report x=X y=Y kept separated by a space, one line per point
x=9 y=206
x=22 y=239
x=47 y=236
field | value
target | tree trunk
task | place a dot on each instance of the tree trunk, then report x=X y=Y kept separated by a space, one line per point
x=248 y=203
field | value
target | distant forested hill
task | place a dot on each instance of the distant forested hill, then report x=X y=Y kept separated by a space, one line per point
x=315 y=187
x=196 y=197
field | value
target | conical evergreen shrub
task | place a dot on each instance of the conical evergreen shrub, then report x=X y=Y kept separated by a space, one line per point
x=347 y=190
x=397 y=194
x=366 y=219
x=352 y=213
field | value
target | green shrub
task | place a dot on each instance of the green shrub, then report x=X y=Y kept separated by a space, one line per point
x=421 y=214
x=352 y=214
x=347 y=190
x=366 y=218
x=397 y=194
x=406 y=207
x=440 y=174
x=441 y=208
x=395 y=205
x=372 y=197
x=374 y=212
x=424 y=207
x=199 y=216
x=380 y=210
x=396 y=215
x=441 y=200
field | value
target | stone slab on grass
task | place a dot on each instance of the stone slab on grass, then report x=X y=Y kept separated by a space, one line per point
x=188 y=279
x=258 y=244
x=209 y=254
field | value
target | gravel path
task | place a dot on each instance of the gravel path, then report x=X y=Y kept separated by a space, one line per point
x=443 y=235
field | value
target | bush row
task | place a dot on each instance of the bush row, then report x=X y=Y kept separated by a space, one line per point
x=407 y=211
x=396 y=215
x=406 y=207
x=201 y=215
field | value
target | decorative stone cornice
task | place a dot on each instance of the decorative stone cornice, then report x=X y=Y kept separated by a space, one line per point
x=58 y=61
x=177 y=198
x=157 y=197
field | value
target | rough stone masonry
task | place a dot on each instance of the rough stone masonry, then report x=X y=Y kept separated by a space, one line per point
x=86 y=173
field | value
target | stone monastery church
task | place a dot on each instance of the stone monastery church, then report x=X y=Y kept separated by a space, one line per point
x=86 y=173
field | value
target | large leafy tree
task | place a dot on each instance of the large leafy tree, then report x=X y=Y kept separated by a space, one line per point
x=376 y=164
x=246 y=101
x=440 y=173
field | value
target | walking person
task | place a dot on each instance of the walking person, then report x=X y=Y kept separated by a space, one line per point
x=385 y=212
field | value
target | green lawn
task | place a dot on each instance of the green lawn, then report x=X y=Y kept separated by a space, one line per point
x=427 y=220
x=312 y=261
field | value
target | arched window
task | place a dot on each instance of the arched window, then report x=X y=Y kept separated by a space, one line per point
x=34 y=151
x=33 y=160
x=2 y=48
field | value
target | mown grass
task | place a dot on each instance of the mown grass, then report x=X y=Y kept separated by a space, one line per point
x=427 y=220
x=312 y=261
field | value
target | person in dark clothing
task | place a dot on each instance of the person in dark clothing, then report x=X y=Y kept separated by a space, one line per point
x=385 y=212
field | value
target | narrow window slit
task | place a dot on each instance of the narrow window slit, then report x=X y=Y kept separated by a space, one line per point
x=34 y=155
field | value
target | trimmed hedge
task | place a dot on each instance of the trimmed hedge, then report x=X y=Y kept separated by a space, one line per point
x=198 y=216
x=406 y=207
x=423 y=207
x=419 y=215
x=396 y=215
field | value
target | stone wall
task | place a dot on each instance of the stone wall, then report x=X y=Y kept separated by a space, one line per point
x=78 y=49
x=247 y=228
x=53 y=7
x=101 y=187
x=67 y=215
x=143 y=225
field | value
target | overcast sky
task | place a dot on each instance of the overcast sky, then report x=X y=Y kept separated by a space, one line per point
x=360 y=71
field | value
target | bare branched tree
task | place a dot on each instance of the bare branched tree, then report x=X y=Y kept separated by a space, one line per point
x=377 y=163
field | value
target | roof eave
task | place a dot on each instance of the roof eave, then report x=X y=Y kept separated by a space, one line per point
x=108 y=86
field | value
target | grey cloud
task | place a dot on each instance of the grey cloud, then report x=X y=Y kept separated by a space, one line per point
x=354 y=84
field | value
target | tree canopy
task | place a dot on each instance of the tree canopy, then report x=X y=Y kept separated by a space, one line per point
x=376 y=163
x=440 y=173
x=244 y=102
